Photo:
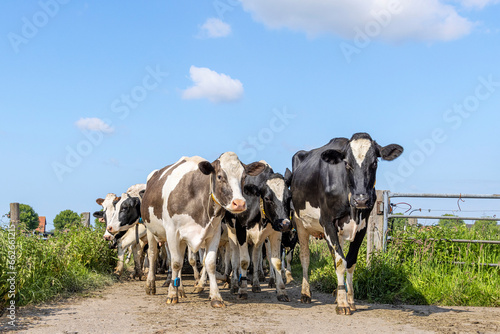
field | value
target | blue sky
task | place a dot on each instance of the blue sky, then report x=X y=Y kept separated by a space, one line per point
x=95 y=95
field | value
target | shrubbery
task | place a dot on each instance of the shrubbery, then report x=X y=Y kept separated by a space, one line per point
x=70 y=261
x=418 y=270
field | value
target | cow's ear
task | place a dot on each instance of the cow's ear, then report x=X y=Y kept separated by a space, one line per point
x=141 y=193
x=255 y=168
x=206 y=167
x=99 y=201
x=288 y=177
x=116 y=200
x=332 y=156
x=136 y=201
x=390 y=152
x=98 y=214
x=251 y=190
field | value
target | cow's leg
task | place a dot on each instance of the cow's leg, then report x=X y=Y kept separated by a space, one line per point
x=177 y=250
x=262 y=275
x=257 y=261
x=304 y=261
x=121 y=256
x=288 y=268
x=275 y=243
x=336 y=244
x=227 y=264
x=235 y=265
x=192 y=262
x=152 y=256
x=244 y=264
x=137 y=252
x=210 y=263
x=200 y=286
x=351 y=258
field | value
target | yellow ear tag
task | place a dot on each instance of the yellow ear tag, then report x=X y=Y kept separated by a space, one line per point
x=262 y=207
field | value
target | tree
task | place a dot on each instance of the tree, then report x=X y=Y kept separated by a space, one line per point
x=66 y=219
x=448 y=223
x=28 y=217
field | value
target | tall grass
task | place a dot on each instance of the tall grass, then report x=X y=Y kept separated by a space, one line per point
x=70 y=261
x=418 y=270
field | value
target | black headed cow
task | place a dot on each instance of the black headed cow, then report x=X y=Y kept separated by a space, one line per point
x=333 y=193
x=267 y=217
x=184 y=204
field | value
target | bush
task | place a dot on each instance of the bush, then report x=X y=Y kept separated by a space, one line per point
x=68 y=262
x=419 y=267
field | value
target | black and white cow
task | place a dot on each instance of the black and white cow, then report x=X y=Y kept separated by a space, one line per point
x=266 y=217
x=119 y=210
x=333 y=193
x=184 y=204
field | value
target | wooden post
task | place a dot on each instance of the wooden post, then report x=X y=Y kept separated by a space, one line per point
x=14 y=215
x=375 y=227
x=86 y=219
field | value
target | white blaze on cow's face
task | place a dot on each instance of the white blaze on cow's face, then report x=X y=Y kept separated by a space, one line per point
x=228 y=181
x=359 y=149
x=277 y=185
x=108 y=209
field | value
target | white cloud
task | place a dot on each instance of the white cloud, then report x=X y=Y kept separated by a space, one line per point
x=94 y=124
x=212 y=86
x=397 y=20
x=215 y=28
x=478 y=4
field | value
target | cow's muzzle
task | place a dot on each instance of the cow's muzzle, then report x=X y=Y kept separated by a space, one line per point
x=238 y=206
x=282 y=225
x=360 y=201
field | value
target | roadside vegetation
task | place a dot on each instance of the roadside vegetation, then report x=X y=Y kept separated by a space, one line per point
x=420 y=267
x=70 y=261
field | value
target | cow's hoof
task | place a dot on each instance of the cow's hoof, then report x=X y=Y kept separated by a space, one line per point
x=217 y=304
x=182 y=294
x=352 y=307
x=198 y=289
x=283 y=298
x=243 y=296
x=172 y=300
x=151 y=291
x=343 y=310
x=256 y=288
x=305 y=299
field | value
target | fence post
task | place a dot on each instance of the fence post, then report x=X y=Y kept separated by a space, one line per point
x=86 y=219
x=375 y=227
x=14 y=215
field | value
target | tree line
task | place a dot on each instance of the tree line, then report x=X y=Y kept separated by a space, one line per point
x=65 y=219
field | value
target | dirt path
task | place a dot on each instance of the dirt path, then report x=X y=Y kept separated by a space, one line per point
x=125 y=308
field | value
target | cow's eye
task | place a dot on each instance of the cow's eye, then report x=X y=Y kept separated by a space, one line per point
x=219 y=177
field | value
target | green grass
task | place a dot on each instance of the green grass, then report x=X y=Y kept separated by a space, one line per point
x=416 y=270
x=69 y=262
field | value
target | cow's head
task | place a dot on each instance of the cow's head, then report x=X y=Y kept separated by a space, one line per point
x=275 y=201
x=127 y=213
x=227 y=174
x=108 y=208
x=360 y=155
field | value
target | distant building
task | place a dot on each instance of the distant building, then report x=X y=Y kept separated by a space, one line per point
x=41 y=225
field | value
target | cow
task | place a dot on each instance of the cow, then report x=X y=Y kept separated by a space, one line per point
x=266 y=217
x=124 y=209
x=184 y=204
x=333 y=193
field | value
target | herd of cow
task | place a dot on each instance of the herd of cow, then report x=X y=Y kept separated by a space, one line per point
x=199 y=205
